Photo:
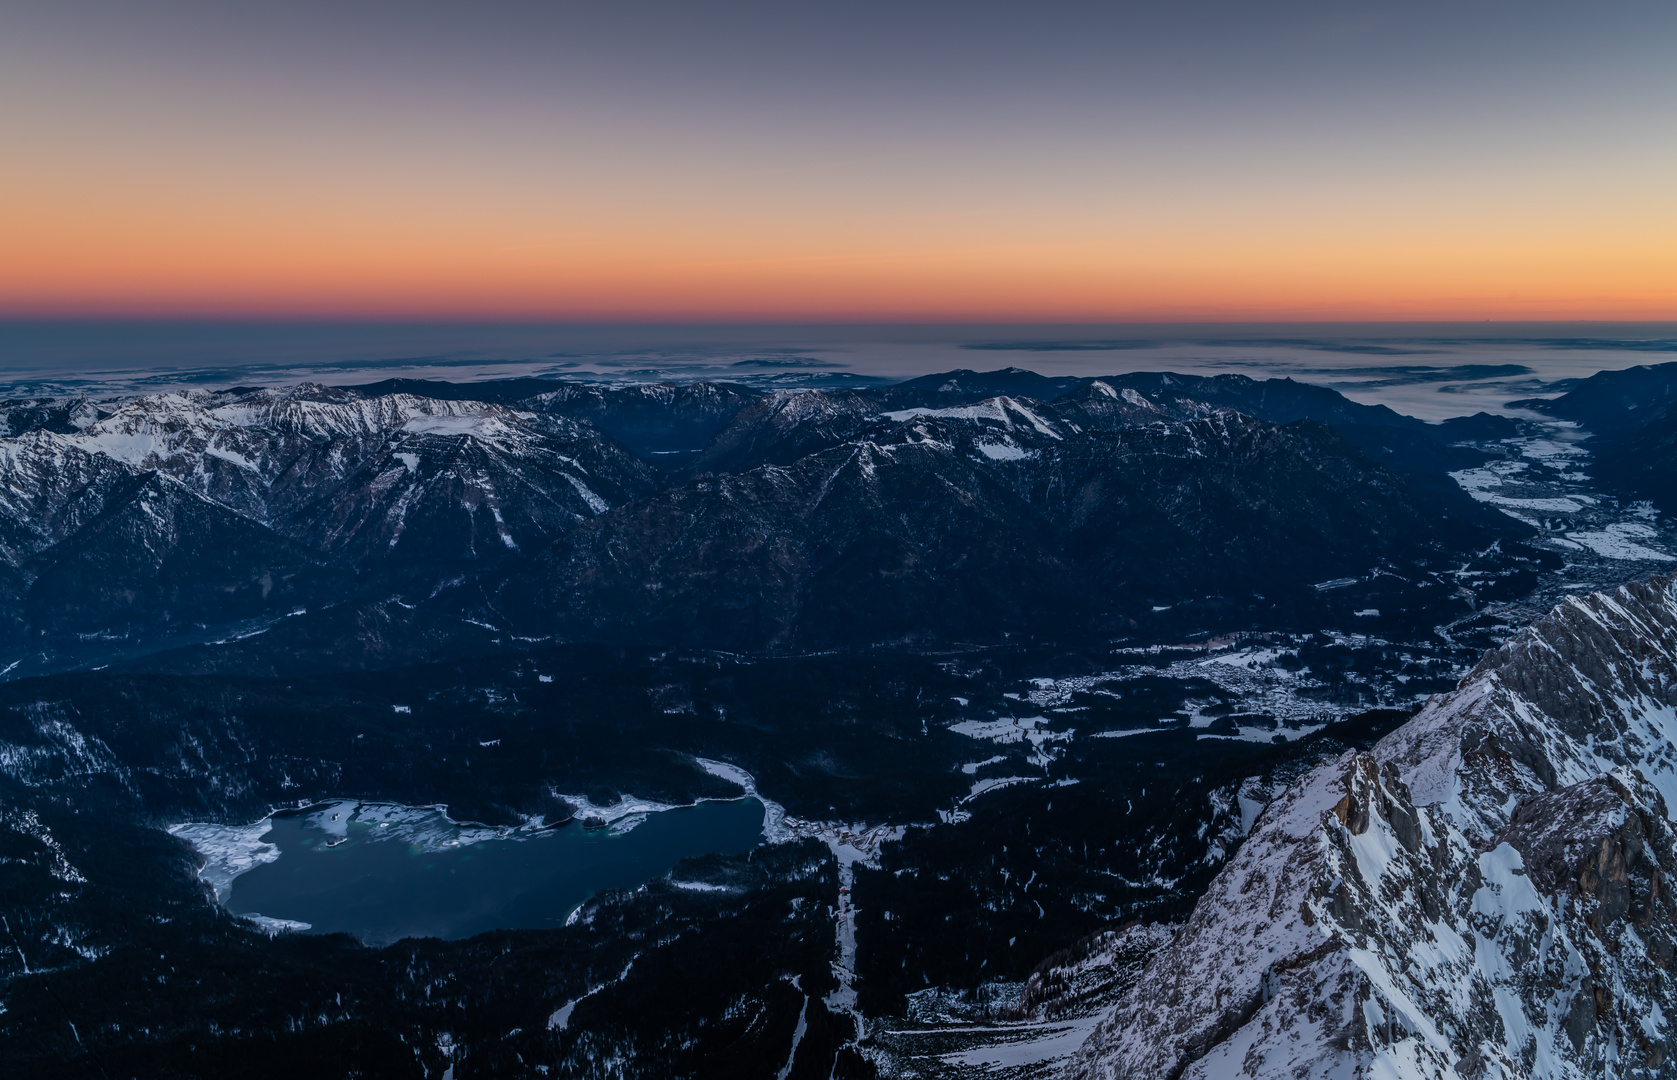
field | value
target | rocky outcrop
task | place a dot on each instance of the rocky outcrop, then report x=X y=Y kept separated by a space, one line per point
x=188 y=512
x=750 y=521
x=785 y=426
x=982 y=522
x=1485 y=894
x=19 y=416
x=1094 y=972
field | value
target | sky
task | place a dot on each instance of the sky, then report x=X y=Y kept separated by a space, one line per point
x=690 y=161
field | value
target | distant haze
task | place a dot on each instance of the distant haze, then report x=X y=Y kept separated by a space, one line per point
x=817 y=162
x=1430 y=370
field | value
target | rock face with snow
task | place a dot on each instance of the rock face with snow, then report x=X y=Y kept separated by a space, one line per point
x=63 y=415
x=712 y=515
x=1090 y=974
x=1485 y=894
x=345 y=472
x=980 y=521
x=193 y=511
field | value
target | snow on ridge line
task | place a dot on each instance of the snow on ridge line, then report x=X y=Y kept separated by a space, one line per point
x=146 y=431
x=262 y=457
x=1000 y=409
x=1419 y=911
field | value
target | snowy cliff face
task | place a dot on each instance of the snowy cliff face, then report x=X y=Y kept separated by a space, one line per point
x=50 y=488
x=190 y=513
x=1484 y=894
x=277 y=456
x=283 y=457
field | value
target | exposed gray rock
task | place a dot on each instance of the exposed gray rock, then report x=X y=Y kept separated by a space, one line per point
x=1092 y=973
x=186 y=512
x=1483 y=895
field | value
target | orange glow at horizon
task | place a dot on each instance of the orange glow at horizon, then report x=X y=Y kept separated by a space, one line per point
x=219 y=171
x=73 y=264
x=438 y=246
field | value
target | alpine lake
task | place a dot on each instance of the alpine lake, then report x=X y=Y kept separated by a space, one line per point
x=382 y=872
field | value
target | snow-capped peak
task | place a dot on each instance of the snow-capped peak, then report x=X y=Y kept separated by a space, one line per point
x=1480 y=896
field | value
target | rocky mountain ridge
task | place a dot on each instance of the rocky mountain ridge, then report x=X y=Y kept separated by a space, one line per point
x=991 y=519
x=313 y=594
x=770 y=520
x=1482 y=895
x=392 y=494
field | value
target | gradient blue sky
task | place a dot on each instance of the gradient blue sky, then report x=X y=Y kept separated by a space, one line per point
x=860 y=160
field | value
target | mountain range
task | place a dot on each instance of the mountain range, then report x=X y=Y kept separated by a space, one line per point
x=1090 y=718
x=942 y=509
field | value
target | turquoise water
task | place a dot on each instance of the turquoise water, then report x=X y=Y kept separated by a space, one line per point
x=384 y=873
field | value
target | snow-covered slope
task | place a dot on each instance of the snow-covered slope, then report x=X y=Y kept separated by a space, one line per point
x=329 y=495
x=1482 y=895
x=275 y=455
x=49 y=488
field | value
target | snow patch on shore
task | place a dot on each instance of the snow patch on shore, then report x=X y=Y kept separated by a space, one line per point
x=231 y=850
x=275 y=927
x=1619 y=541
x=228 y=851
